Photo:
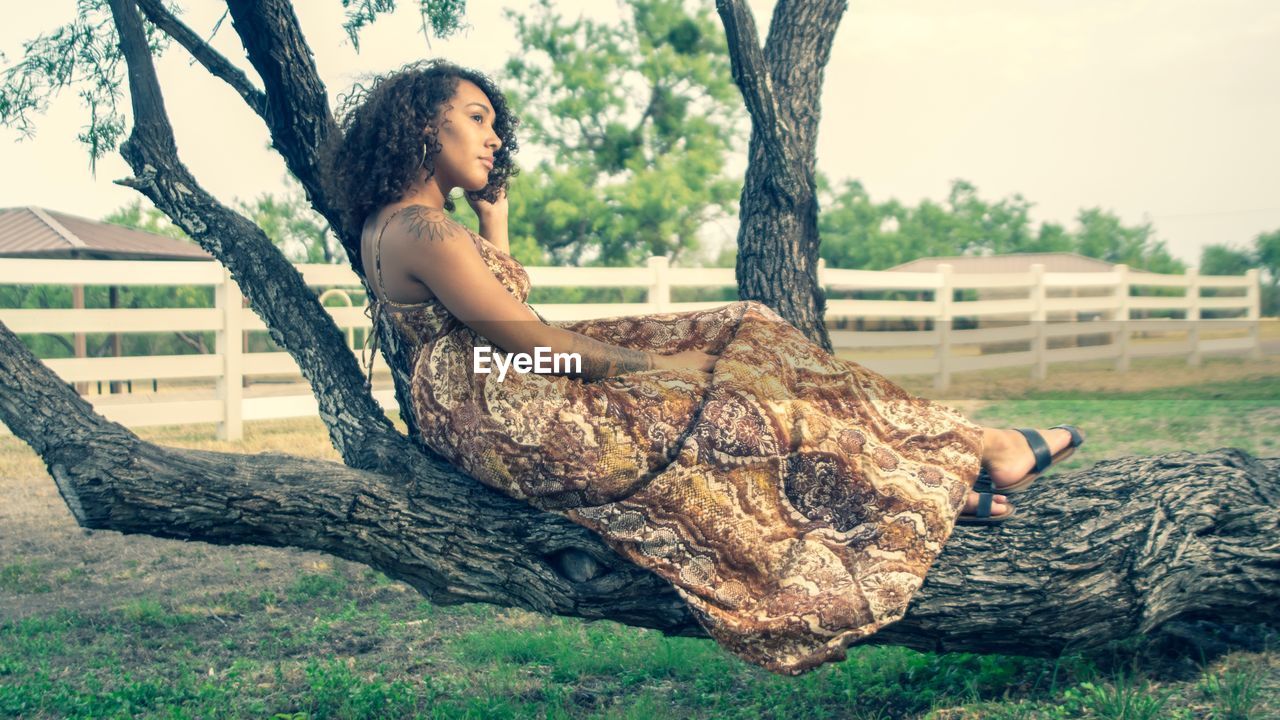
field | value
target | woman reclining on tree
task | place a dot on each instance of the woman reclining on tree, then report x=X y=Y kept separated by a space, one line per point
x=795 y=500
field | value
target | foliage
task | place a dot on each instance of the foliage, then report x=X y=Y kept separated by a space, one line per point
x=294 y=227
x=1223 y=259
x=860 y=233
x=83 y=54
x=638 y=118
x=443 y=16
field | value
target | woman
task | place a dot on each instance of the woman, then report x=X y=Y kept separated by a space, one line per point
x=795 y=500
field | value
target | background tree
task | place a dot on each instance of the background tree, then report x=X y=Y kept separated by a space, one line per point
x=635 y=119
x=860 y=233
x=1265 y=255
x=294 y=227
x=1144 y=557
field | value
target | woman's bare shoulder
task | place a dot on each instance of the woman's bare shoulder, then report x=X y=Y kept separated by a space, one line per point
x=418 y=224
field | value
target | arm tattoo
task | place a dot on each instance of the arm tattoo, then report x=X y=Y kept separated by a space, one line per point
x=602 y=360
x=430 y=224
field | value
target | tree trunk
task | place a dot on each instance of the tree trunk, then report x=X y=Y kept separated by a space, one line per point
x=781 y=86
x=1165 y=546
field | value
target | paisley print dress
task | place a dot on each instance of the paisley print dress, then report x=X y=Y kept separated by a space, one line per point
x=794 y=500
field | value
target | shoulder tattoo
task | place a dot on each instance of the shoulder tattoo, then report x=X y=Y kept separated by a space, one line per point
x=427 y=224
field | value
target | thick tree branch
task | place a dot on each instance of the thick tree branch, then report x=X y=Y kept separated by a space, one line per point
x=796 y=53
x=448 y=536
x=298 y=114
x=277 y=293
x=778 y=234
x=1178 y=547
x=213 y=61
x=752 y=74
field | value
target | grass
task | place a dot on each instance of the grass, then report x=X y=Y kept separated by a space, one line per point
x=100 y=625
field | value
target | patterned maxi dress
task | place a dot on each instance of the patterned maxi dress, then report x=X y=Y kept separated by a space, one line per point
x=794 y=500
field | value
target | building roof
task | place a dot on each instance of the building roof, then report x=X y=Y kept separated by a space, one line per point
x=38 y=233
x=1011 y=262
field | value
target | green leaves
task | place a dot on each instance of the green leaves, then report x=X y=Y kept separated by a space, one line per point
x=1223 y=259
x=859 y=233
x=444 y=17
x=638 y=118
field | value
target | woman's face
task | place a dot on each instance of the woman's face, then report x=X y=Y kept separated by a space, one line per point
x=467 y=140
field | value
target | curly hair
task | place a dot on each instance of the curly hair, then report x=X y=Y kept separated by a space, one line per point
x=377 y=152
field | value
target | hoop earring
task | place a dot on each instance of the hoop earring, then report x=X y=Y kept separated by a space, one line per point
x=423 y=162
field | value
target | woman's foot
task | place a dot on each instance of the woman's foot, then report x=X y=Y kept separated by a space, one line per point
x=999 y=505
x=1007 y=457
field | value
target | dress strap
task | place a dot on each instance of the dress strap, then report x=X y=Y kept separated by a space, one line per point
x=374 y=310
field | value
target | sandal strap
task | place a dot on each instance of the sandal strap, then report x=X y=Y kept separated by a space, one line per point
x=984 y=506
x=1076 y=437
x=1039 y=448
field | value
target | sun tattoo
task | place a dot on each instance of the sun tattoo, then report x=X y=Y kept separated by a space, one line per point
x=430 y=224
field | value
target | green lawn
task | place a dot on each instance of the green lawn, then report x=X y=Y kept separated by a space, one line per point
x=109 y=626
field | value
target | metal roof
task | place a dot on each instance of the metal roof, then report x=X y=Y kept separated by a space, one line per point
x=1011 y=262
x=38 y=233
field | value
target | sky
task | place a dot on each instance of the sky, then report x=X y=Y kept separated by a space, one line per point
x=1165 y=111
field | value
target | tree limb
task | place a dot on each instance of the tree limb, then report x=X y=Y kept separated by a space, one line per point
x=357 y=426
x=796 y=53
x=213 y=61
x=752 y=74
x=448 y=536
x=298 y=114
x=778 y=233
x=1178 y=547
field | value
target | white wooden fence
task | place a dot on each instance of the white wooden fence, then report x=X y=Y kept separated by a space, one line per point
x=1045 y=308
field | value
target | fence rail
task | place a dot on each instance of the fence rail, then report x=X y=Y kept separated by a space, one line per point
x=1046 y=316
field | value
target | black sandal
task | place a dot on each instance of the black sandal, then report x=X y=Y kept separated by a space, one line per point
x=1044 y=461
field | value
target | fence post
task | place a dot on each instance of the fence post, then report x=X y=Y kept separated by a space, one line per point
x=1193 y=316
x=660 y=288
x=1039 y=316
x=942 y=323
x=228 y=345
x=1121 y=314
x=1253 y=313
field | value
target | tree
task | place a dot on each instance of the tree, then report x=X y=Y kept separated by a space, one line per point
x=781 y=85
x=859 y=233
x=291 y=224
x=1266 y=251
x=1143 y=556
x=1104 y=236
x=1221 y=259
x=1265 y=255
x=638 y=119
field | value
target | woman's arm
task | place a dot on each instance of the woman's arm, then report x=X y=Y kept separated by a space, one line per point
x=438 y=252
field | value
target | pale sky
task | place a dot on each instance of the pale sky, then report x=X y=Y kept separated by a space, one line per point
x=1167 y=110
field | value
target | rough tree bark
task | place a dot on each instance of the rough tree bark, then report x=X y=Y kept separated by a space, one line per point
x=782 y=85
x=1128 y=547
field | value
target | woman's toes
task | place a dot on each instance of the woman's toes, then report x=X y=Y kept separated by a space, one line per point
x=999 y=504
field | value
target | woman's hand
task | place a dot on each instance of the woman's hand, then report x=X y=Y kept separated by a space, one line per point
x=493 y=219
x=489 y=211
x=687 y=360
